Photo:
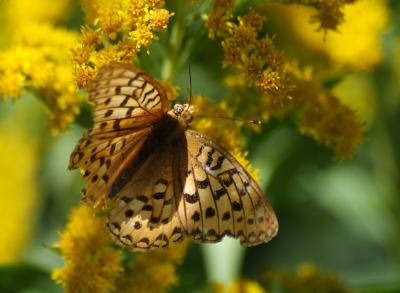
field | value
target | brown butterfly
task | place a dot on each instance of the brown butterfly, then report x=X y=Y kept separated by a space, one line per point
x=163 y=181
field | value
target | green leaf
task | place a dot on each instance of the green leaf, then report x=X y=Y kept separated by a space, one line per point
x=25 y=278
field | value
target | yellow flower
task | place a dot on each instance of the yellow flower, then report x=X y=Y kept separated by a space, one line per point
x=242 y=159
x=159 y=19
x=142 y=36
x=356 y=43
x=338 y=129
x=153 y=272
x=19 y=191
x=38 y=60
x=94 y=264
x=244 y=286
x=11 y=84
x=134 y=22
x=238 y=286
x=269 y=82
x=17 y=15
x=283 y=87
x=329 y=12
x=91 y=262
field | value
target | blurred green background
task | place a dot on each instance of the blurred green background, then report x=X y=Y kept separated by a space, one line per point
x=337 y=219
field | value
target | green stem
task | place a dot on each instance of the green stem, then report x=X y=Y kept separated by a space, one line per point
x=171 y=62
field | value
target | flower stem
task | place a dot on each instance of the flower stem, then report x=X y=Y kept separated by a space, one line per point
x=174 y=46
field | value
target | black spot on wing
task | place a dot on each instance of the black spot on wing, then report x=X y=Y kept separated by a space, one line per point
x=202 y=184
x=209 y=157
x=219 y=163
x=219 y=193
x=191 y=198
x=210 y=212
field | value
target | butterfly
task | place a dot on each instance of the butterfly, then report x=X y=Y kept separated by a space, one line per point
x=162 y=181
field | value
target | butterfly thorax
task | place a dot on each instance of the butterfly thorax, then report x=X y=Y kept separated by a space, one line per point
x=182 y=113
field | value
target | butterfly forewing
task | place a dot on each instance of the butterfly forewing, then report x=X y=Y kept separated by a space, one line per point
x=127 y=102
x=125 y=98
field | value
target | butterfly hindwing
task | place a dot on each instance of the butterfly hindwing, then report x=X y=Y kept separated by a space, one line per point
x=222 y=199
x=145 y=215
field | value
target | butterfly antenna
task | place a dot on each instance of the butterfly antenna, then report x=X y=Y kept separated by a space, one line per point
x=249 y=121
x=190 y=86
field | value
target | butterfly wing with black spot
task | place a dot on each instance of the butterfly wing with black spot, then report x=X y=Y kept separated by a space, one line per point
x=191 y=187
x=145 y=216
x=127 y=103
x=220 y=198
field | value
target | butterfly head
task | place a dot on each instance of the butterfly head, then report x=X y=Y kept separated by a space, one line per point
x=183 y=113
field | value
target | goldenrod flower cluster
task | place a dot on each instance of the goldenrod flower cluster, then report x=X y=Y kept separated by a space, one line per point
x=365 y=22
x=329 y=12
x=283 y=86
x=116 y=31
x=153 y=272
x=94 y=264
x=38 y=61
x=91 y=263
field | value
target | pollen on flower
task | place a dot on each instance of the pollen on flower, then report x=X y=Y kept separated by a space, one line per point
x=119 y=30
x=39 y=60
x=154 y=271
x=232 y=53
x=269 y=82
x=254 y=20
x=160 y=18
x=215 y=23
x=142 y=36
x=11 y=84
x=282 y=88
x=110 y=18
x=90 y=37
x=244 y=35
x=86 y=249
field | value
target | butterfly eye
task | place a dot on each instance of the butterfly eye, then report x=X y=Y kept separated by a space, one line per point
x=178 y=109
